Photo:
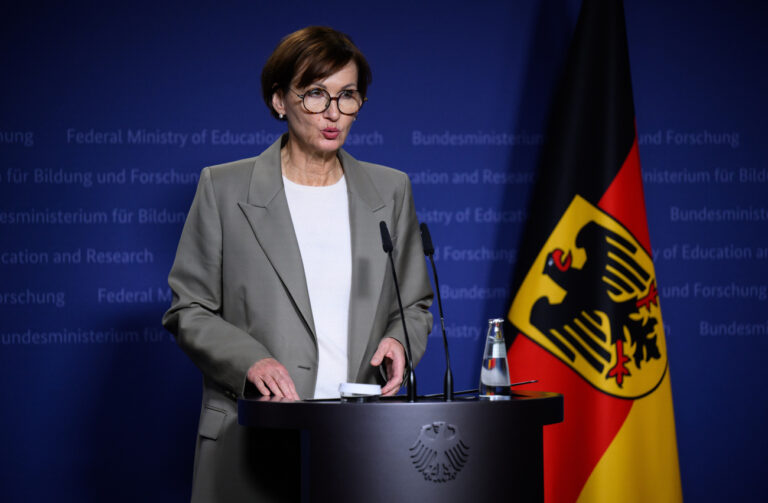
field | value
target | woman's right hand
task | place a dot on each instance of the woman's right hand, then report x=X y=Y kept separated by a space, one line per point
x=271 y=378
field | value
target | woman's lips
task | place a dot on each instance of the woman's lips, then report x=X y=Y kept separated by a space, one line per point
x=331 y=133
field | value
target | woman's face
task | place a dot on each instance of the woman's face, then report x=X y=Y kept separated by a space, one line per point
x=319 y=133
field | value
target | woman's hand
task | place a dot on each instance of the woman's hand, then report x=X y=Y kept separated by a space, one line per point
x=271 y=378
x=392 y=354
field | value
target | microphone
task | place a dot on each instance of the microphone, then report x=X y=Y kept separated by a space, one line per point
x=386 y=243
x=386 y=240
x=429 y=251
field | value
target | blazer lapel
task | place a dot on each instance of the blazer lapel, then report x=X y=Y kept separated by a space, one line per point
x=270 y=218
x=366 y=210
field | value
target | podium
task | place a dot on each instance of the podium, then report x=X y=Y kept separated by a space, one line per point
x=392 y=450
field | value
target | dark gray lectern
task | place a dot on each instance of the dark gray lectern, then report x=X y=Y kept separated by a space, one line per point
x=391 y=450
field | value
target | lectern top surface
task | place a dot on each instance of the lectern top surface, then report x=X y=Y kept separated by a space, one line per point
x=530 y=406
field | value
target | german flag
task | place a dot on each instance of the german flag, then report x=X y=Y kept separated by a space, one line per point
x=586 y=310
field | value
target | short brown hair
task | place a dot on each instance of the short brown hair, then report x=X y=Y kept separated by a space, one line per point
x=316 y=51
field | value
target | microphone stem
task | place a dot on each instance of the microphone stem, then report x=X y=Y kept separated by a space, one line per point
x=411 y=383
x=448 y=379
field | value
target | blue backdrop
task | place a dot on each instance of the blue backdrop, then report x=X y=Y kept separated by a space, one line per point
x=109 y=111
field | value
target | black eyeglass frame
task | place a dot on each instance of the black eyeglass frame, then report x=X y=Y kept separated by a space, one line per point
x=329 y=99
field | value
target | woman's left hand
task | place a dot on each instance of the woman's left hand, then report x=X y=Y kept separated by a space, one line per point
x=391 y=353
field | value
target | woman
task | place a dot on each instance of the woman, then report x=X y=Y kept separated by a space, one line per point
x=280 y=283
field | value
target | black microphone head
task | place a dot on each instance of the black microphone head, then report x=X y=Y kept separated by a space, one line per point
x=386 y=241
x=426 y=240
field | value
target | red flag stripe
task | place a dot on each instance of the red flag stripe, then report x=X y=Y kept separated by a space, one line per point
x=624 y=199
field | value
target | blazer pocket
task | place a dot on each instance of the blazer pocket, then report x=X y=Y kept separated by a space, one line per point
x=211 y=422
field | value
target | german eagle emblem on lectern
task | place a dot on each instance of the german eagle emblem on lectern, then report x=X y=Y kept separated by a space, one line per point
x=591 y=300
x=439 y=453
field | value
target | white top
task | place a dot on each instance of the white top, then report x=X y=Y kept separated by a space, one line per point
x=320 y=218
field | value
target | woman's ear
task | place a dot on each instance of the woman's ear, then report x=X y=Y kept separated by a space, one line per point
x=278 y=103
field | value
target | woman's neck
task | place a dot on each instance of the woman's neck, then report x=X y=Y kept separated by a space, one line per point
x=319 y=169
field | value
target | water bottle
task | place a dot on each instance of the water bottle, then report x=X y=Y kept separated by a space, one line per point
x=494 y=374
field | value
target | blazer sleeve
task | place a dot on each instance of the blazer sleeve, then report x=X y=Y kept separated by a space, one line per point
x=415 y=289
x=221 y=350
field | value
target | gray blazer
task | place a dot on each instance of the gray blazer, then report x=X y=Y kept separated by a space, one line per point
x=240 y=295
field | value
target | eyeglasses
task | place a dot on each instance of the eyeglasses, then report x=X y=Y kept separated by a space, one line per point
x=317 y=100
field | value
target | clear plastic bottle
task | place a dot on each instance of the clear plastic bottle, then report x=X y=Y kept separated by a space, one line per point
x=494 y=374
